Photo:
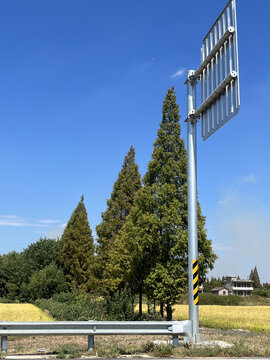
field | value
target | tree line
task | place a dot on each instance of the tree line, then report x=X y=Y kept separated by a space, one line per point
x=142 y=240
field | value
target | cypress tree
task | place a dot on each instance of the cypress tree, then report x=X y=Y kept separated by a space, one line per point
x=254 y=276
x=76 y=254
x=155 y=236
x=118 y=208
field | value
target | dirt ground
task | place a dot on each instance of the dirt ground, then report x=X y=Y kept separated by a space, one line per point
x=244 y=344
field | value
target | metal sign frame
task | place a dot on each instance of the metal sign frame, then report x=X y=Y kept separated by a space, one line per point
x=219 y=76
x=219 y=73
x=220 y=94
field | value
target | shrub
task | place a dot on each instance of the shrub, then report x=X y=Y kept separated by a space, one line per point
x=148 y=317
x=111 y=352
x=70 y=351
x=262 y=292
x=119 y=306
x=74 y=307
x=46 y=282
x=6 y=301
x=212 y=299
x=159 y=350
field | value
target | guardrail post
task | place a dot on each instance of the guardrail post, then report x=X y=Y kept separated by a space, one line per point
x=175 y=342
x=91 y=342
x=4 y=344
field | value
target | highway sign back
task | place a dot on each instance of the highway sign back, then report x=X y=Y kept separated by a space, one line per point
x=219 y=73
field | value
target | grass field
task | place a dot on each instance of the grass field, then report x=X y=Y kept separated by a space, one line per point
x=253 y=318
x=22 y=312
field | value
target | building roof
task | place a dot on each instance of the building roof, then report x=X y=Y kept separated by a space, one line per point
x=234 y=278
x=218 y=288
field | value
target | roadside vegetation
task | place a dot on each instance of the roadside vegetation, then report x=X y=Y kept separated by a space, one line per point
x=252 y=318
x=259 y=297
x=140 y=255
x=141 y=242
x=241 y=345
x=77 y=306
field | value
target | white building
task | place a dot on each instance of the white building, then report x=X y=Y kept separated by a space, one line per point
x=239 y=287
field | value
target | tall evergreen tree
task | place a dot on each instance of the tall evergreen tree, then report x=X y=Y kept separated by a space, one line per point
x=254 y=276
x=76 y=254
x=155 y=236
x=119 y=205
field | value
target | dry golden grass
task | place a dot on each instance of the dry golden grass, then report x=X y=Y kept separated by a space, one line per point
x=253 y=318
x=22 y=312
x=115 y=346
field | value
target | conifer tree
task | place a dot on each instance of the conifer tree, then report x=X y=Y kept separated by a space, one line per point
x=154 y=239
x=254 y=276
x=119 y=205
x=76 y=254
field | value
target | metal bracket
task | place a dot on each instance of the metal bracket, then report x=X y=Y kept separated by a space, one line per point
x=181 y=327
x=191 y=117
x=230 y=31
x=214 y=95
x=191 y=77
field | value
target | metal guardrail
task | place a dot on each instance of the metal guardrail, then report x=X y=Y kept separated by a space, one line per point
x=93 y=328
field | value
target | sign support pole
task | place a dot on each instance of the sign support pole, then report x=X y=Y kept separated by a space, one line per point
x=220 y=102
x=193 y=279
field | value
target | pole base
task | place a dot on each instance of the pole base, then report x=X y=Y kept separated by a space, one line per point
x=192 y=340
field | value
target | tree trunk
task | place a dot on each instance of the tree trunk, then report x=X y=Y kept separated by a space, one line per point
x=155 y=307
x=162 y=309
x=140 y=303
x=148 y=306
x=169 y=312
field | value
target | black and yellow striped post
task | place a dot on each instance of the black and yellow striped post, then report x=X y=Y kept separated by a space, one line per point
x=195 y=282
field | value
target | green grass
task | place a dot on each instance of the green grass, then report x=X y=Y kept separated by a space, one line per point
x=68 y=351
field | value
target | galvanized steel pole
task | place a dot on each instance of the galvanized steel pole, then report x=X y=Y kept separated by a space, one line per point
x=193 y=282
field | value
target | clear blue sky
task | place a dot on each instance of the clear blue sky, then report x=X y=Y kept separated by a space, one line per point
x=80 y=81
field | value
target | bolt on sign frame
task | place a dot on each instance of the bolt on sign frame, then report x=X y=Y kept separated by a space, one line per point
x=220 y=101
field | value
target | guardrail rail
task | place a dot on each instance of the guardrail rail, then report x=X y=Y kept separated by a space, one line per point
x=94 y=328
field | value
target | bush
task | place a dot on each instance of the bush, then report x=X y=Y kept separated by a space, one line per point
x=73 y=306
x=119 y=306
x=77 y=306
x=159 y=350
x=111 y=352
x=46 y=282
x=67 y=351
x=262 y=292
x=212 y=299
x=6 y=301
x=148 y=317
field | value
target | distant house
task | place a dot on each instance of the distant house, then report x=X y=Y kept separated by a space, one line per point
x=221 y=291
x=201 y=289
x=237 y=286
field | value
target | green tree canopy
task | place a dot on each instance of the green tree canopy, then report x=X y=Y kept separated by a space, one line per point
x=76 y=254
x=46 y=282
x=154 y=239
x=118 y=208
x=11 y=276
x=254 y=276
x=38 y=255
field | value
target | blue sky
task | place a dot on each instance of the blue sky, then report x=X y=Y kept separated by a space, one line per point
x=80 y=81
